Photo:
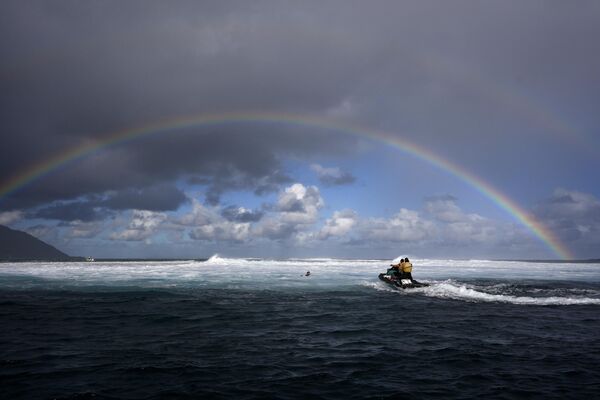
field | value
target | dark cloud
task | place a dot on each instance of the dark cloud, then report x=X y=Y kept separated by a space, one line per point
x=75 y=77
x=450 y=76
x=574 y=216
x=162 y=197
x=230 y=178
x=74 y=71
x=72 y=211
x=240 y=157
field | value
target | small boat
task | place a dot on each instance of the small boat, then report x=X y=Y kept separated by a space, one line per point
x=401 y=283
x=89 y=259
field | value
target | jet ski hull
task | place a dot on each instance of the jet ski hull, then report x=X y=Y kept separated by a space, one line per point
x=401 y=283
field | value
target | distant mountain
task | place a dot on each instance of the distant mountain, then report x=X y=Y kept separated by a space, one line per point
x=20 y=246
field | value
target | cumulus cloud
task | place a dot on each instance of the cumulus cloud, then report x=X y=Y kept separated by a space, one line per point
x=223 y=231
x=296 y=210
x=333 y=175
x=441 y=224
x=299 y=205
x=209 y=224
x=444 y=208
x=295 y=217
x=404 y=226
x=473 y=228
x=456 y=226
x=199 y=215
x=142 y=225
x=296 y=213
x=340 y=224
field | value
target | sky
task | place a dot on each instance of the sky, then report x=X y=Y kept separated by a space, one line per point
x=278 y=129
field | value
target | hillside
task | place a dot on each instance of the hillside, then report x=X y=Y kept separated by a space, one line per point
x=20 y=246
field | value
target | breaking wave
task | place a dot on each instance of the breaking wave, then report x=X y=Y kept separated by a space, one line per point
x=470 y=281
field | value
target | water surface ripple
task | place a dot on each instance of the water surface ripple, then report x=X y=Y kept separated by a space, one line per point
x=467 y=337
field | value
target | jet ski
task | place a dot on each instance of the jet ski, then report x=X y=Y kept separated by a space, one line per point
x=392 y=279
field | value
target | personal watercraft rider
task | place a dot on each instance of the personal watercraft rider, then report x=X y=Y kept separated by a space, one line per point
x=400 y=275
x=397 y=268
x=406 y=268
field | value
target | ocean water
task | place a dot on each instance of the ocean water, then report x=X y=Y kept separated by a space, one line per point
x=255 y=329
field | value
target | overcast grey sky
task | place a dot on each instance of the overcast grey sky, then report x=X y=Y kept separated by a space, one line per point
x=508 y=90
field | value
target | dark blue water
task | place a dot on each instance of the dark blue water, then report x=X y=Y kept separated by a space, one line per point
x=352 y=343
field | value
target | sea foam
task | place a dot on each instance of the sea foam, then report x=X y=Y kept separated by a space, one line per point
x=467 y=280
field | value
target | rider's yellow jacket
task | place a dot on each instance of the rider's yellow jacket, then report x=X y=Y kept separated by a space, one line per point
x=406 y=267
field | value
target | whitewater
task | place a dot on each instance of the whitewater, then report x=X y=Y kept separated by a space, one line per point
x=514 y=282
x=259 y=328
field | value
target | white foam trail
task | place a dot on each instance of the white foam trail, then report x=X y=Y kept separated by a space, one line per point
x=449 y=278
x=462 y=292
x=383 y=287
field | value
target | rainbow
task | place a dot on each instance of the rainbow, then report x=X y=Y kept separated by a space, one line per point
x=73 y=154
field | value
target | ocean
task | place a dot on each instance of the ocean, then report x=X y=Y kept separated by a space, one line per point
x=257 y=329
